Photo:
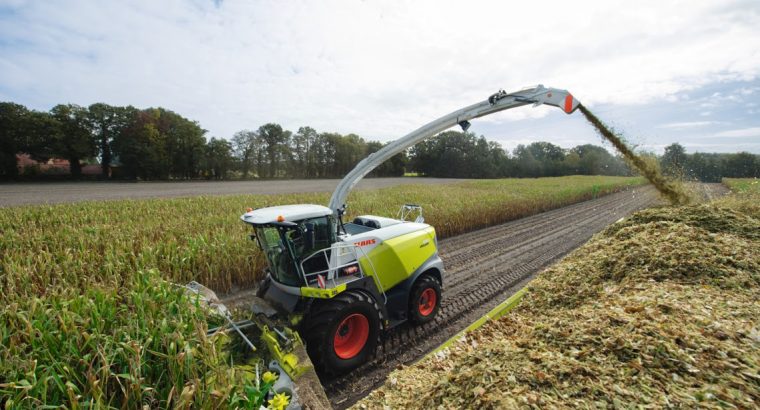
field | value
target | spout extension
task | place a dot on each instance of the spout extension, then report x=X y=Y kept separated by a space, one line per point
x=557 y=98
x=496 y=102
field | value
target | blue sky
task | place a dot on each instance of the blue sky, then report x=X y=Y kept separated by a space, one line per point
x=659 y=71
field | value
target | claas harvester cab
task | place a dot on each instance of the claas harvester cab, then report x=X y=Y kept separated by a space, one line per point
x=346 y=282
x=340 y=283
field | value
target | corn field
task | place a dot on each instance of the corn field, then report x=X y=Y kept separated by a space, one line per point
x=90 y=317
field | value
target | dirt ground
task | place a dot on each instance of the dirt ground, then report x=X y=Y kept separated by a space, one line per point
x=485 y=267
x=14 y=194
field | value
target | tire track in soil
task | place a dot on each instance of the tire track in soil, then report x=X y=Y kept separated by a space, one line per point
x=483 y=268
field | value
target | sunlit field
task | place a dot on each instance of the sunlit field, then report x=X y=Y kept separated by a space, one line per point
x=89 y=313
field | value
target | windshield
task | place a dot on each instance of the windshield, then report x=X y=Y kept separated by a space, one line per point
x=286 y=247
x=281 y=265
x=311 y=235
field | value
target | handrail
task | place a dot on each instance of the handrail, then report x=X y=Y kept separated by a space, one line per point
x=327 y=260
x=355 y=260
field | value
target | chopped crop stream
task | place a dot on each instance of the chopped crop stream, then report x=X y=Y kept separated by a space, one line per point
x=672 y=190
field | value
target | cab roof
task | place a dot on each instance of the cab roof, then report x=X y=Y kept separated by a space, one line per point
x=288 y=212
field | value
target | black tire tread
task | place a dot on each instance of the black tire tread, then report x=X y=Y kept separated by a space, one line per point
x=319 y=319
x=426 y=280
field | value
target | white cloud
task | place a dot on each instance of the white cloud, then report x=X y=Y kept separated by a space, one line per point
x=753 y=132
x=688 y=124
x=374 y=68
x=748 y=90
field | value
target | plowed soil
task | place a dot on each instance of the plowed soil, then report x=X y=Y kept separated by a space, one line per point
x=485 y=267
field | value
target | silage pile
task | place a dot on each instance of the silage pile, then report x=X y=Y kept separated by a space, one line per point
x=659 y=310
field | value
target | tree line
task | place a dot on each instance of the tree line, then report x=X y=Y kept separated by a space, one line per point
x=464 y=155
x=708 y=167
x=455 y=154
x=273 y=152
x=151 y=143
x=155 y=143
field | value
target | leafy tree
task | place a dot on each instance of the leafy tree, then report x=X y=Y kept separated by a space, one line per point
x=546 y=151
x=24 y=131
x=244 y=148
x=349 y=150
x=310 y=140
x=184 y=141
x=298 y=154
x=549 y=156
x=480 y=159
x=42 y=132
x=741 y=165
x=106 y=122
x=275 y=143
x=591 y=159
x=421 y=158
x=450 y=155
x=705 y=167
x=526 y=163
x=321 y=151
x=673 y=162
x=12 y=123
x=219 y=158
x=455 y=155
x=75 y=142
x=501 y=162
x=140 y=148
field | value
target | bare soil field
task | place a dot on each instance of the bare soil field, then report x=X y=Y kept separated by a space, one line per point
x=485 y=267
x=15 y=194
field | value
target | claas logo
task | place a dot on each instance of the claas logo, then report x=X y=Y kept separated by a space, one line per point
x=365 y=242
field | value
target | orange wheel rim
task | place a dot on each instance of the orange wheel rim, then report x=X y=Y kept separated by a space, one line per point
x=427 y=302
x=351 y=336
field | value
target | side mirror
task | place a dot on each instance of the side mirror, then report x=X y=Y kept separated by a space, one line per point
x=310 y=238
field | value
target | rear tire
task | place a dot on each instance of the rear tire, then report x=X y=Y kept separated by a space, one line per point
x=424 y=299
x=341 y=333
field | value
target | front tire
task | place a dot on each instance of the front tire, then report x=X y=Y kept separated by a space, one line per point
x=341 y=333
x=424 y=300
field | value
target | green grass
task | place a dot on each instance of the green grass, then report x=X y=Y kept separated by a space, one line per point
x=89 y=317
x=746 y=196
x=742 y=185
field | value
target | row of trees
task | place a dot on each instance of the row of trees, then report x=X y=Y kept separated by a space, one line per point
x=151 y=144
x=156 y=143
x=464 y=155
x=708 y=167
x=272 y=152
